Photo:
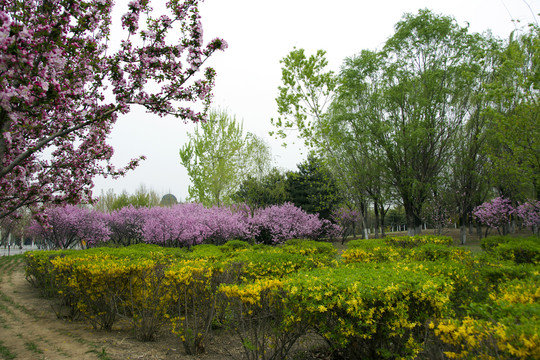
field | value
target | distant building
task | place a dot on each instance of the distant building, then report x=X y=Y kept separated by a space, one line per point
x=168 y=200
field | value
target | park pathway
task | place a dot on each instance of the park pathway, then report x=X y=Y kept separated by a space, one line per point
x=29 y=329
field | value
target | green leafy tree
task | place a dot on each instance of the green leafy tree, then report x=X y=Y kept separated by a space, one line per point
x=356 y=103
x=218 y=157
x=514 y=131
x=264 y=191
x=142 y=197
x=469 y=171
x=303 y=103
x=304 y=97
x=426 y=68
x=313 y=188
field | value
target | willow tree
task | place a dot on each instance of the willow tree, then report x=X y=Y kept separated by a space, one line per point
x=303 y=104
x=219 y=156
x=514 y=129
x=427 y=71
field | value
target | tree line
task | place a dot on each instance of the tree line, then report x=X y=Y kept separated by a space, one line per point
x=438 y=120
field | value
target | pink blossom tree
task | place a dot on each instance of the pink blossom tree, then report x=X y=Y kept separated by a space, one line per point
x=529 y=212
x=192 y=224
x=126 y=225
x=495 y=214
x=62 y=86
x=70 y=226
x=347 y=220
x=278 y=223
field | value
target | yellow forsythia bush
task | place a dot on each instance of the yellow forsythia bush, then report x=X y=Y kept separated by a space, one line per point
x=506 y=328
x=382 y=301
x=369 y=310
x=194 y=285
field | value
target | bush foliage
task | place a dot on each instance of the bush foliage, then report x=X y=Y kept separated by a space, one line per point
x=404 y=298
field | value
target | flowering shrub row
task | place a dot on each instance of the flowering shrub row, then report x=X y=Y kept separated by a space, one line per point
x=415 y=248
x=519 y=250
x=180 y=225
x=497 y=212
x=395 y=302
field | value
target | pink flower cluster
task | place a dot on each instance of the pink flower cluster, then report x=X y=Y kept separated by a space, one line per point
x=346 y=218
x=497 y=212
x=278 y=223
x=180 y=225
x=55 y=69
x=192 y=224
x=70 y=226
x=529 y=212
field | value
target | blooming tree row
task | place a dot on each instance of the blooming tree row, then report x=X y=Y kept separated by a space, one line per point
x=180 y=225
x=497 y=213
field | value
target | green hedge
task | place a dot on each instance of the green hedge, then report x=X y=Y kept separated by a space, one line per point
x=382 y=301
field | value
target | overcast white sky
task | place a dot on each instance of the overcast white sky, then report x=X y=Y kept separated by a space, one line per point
x=259 y=34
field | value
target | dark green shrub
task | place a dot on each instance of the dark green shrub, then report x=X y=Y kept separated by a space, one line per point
x=233 y=245
x=365 y=243
x=417 y=240
x=491 y=242
x=523 y=251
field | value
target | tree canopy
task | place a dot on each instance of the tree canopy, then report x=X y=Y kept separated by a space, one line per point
x=437 y=112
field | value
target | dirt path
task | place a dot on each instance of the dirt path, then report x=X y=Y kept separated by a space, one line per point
x=30 y=329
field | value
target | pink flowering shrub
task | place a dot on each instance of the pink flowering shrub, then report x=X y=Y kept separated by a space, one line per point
x=180 y=225
x=529 y=212
x=495 y=213
x=278 y=223
x=70 y=226
x=346 y=219
x=169 y=227
x=126 y=225
x=191 y=224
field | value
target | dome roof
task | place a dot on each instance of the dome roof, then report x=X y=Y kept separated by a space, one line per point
x=168 y=200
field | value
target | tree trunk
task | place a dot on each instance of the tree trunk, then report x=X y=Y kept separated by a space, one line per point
x=463 y=229
x=513 y=225
x=463 y=235
x=382 y=213
x=376 y=209
x=366 y=234
x=414 y=222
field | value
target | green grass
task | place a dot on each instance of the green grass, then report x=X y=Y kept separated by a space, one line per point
x=100 y=355
x=31 y=346
x=5 y=354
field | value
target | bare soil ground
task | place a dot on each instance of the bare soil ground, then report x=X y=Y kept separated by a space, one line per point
x=30 y=328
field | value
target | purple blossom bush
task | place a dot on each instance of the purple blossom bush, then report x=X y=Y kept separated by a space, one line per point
x=182 y=225
x=192 y=224
x=223 y=224
x=70 y=226
x=170 y=227
x=278 y=223
x=495 y=213
x=126 y=225
x=529 y=212
x=346 y=219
